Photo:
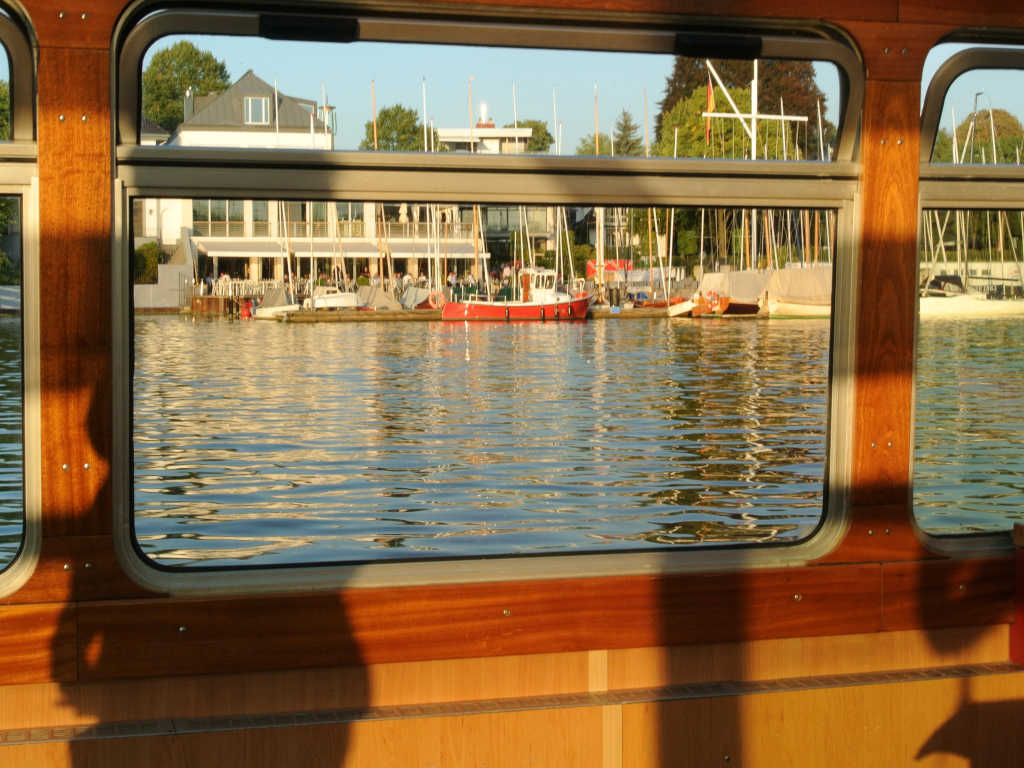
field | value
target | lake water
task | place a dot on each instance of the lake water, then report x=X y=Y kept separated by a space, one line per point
x=266 y=443
x=260 y=443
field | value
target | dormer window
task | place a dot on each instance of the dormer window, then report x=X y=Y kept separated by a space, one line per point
x=257 y=110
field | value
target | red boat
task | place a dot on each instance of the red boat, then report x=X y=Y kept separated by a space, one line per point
x=540 y=301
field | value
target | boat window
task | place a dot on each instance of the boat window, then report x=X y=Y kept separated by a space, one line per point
x=473 y=98
x=389 y=429
x=968 y=470
x=279 y=433
x=12 y=497
x=969 y=419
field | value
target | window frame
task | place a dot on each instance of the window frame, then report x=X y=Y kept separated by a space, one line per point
x=303 y=175
x=19 y=176
x=955 y=186
x=265 y=109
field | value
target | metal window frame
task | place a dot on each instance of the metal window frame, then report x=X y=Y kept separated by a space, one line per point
x=19 y=176
x=954 y=186
x=541 y=180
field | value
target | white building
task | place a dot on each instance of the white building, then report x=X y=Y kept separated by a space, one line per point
x=485 y=137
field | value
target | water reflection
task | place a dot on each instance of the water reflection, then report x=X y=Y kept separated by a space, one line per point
x=11 y=472
x=968 y=464
x=287 y=443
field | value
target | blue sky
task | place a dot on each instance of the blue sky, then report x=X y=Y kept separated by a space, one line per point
x=542 y=80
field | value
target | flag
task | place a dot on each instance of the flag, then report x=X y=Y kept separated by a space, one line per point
x=710 y=108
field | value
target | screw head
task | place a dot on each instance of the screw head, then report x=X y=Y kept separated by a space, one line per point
x=899 y=141
x=88 y=565
x=67 y=566
x=60 y=14
x=885 y=51
x=182 y=629
x=871 y=531
x=84 y=118
x=798 y=597
x=85 y=16
x=86 y=466
x=65 y=467
x=506 y=612
x=61 y=118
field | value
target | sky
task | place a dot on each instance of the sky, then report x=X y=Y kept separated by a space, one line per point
x=543 y=81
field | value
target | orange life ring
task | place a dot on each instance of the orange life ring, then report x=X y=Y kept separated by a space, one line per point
x=436 y=300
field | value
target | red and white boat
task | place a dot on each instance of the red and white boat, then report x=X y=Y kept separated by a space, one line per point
x=540 y=301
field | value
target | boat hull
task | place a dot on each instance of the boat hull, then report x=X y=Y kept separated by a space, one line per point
x=570 y=309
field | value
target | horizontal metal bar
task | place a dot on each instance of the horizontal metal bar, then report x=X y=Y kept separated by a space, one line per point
x=455 y=186
x=953 y=193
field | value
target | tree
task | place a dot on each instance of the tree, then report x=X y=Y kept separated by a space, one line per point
x=586 y=146
x=398 y=130
x=5 y=110
x=978 y=141
x=145 y=264
x=540 y=140
x=170 y=73
x=627 y=136
x=791 y=81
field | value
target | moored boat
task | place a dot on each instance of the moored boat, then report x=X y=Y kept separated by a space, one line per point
x=541 y=300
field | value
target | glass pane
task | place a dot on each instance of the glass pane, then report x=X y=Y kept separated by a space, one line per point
x=968 y=463
x=981 y=115
x=12 y=504
x=362 y=441
x=509 y=100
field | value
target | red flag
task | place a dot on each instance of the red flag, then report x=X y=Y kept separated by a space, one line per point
x=710 y=108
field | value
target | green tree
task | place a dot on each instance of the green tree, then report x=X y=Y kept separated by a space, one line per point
x=628 y=140
x=978 y=141
x=540 y=140
x=728 y=138
x=398 y=130
x=5 y=110
x=585 y=148
x=791 y=81
x=170 y=73
x=145 y=264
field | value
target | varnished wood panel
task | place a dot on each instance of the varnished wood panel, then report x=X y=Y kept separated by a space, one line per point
x=371 y=626
x=806 y=656
x=75 y=229
x=992 y=13
x=894 y=52
x=972 y=722
x=82 y=24
x=880 y=534
x=886 y=300
x=948 y=593
x=76 y=568
x=37 y=643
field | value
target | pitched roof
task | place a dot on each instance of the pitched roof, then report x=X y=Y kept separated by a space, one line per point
x=227 y=109
x=149 y=127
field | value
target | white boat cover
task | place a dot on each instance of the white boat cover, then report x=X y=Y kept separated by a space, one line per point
x=746 y=286
x=802 y=285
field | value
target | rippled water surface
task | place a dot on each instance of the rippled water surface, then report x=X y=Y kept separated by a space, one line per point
x=11 y=473
x=266 y=443
x=969 y=434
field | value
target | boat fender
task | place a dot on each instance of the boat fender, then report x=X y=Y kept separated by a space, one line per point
x=506 y=313
x=542 y=317
x=556 y=311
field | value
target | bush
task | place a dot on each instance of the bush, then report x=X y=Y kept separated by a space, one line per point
x=144 y=266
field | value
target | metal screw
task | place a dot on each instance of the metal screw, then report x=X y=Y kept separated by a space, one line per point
x=60 y=15
x=84 y=118
x=798 y=597
x=67 y=566
x=61 y=118
x=86 y=466
x=885 y=51
x=903 y=52
x=506 y=612
x=88 y=565
x=64 y=467
x=727 y=758
x=887 y=531
x=890 y=443
x=84 y=16
x=899 y=141
x=883 y=142
x=182 y=629
x=871 y=531
x=962 y=587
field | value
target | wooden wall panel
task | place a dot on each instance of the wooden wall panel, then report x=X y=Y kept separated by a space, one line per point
x=83 y=24
x=75 y=229
x=420 y=623
x=972 y=722
x=894 y=53
x=888 y=280
x=37 y=643
x=948 y=593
